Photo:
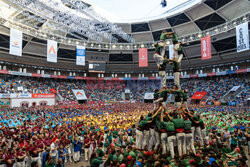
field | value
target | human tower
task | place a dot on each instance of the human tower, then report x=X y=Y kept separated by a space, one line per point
x=165 y=127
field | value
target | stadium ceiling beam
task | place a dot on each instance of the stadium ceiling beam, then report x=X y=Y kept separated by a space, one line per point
x=192 y=21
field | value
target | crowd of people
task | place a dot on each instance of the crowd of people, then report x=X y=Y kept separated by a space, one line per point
x=107 y=135
x=112 y=90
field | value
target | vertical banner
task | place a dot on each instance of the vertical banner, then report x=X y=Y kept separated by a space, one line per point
x=206 y=48
x=143 y=57
x=242 y=37
x=16 y=42
x=171 y=51
x=80 y=55
x=51 y=51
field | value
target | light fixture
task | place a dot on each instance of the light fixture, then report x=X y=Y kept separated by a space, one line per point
x=199 y=35
x=142 y=45
x=114 y=46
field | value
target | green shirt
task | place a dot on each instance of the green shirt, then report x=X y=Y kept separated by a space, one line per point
x=142 y=124
x=177 y=94
x=163 y=36
x=120 y=158
x=175 y=66
x=169 y=126
x=187 y=125
x=100 y=152
x=174 y=37
x=184 y=95
x=96 y=162
x=178 y=123
x=163 y=65
x=158 y=49
x=164 y=94
x=115 y=134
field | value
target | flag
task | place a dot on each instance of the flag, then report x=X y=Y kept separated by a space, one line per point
x=80 y=55
x=16 y=42
x=171 y=51
x=143 y=57
x=51 y=51
x=242 y=37
x=206 y=48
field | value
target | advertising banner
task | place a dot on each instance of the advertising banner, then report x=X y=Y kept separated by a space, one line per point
x=16 y=42
x=206 y=48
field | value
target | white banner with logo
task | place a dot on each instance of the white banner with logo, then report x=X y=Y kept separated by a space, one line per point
x=80 y=55
x=171 y=51
x=20 y=95
x=149 y=96
x=51 y=51
x=16 y=42
x=79 y=94
x=242 y=37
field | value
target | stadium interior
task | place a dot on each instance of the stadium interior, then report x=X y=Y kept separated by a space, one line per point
x=114 y=83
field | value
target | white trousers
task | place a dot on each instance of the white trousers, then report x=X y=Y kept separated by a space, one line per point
x=190 y=142
x=164 y=143
x=181 y=144
x=20 y=164
x=138 y=141
x=145 y=138
x=180 y=56
x=192 y=129
x=38 y=160
x=204 y=136
x=86 y=154
x=198 y=132
x=163 y=76
x=171 y=141
x=163 y=44
x=158 y=59
x=157 y=138
x=69 y=153
x=76 y=156
x=177 y=79
x=151 y=140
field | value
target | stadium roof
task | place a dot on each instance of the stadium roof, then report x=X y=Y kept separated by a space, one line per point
x=181 y=16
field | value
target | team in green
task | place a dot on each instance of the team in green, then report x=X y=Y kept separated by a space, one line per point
x=164 y=128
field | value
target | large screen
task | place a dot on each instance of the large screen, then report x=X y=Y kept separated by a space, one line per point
x=97 y=66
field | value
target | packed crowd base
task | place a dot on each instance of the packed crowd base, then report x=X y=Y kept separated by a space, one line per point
x=125 y=135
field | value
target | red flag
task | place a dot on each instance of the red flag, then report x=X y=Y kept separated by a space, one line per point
x=143 y=57
x=206 y=48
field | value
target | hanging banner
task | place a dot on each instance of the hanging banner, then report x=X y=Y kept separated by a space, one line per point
x=51 y=51
x=206 y=48
x=16 y=42
x=242 y=37
x=143 y=57
x=80 y=55
x=171 y=51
